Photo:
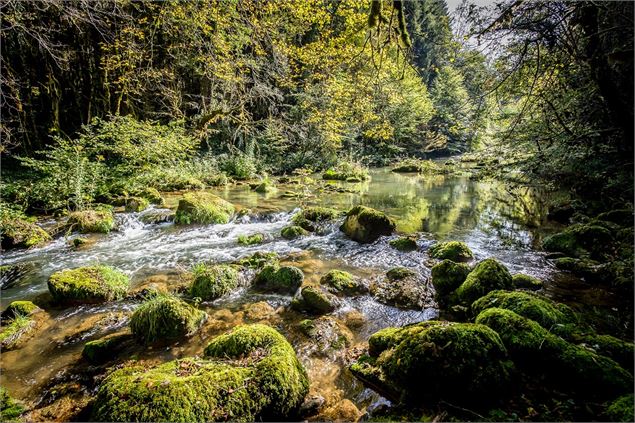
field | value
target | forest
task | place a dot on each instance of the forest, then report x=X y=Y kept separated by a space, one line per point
x=316 y=210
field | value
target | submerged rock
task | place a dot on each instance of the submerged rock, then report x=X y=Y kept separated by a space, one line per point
x=404 y=243
x=283 y=280
x=315 y=301
x=249 y=374
x=315 y=219
x=213 y=281
x=99 y=220
x=343 y=283
x=293 y=231
x=451 y=250
x=105 y=349
x=203 y=207
x=20 y=233
x=328 y=337
x=488 y=275
x=259 y=259
x=523 y=281
x=90 y=284
x=537 y=350
x=365 y=225
x=403 y=288
x=425 y=362
x=165 y=317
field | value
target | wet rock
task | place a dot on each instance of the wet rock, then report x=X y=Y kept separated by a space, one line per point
x=165 y=317
x=343 y=283
x=311 y=406
x=259 y=259
x=488 y=275
x=523 y=281
x=98 y=220
x=157 y=216
x=136 y=204
x=327 y=336
x=584 y=268
x=19 y=308
x=152 y=195
x=10 y=409
x=404 y=243
x=561 y=213
x=459 y=362
x=105 y=349
x=315 y=301
x=260 y=312
x=248 y=374
x=78 y=242
x=451 y=250
x=203 y=207
x=293 y=231
x=568 y=366
x=213 y=281
x=19 y=322
x=90 y=284
x=447 y=276
x=621 y=409
x=354 y=319
x=20 y=233
x=251 y=239
x=365 y=225
x=402 y=288
x=343 y=411
x=315 y=219
x=283 y=280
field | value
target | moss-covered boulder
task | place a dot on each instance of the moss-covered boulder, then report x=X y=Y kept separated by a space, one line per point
x=293 y=231
x=488 y=275
x=342 y=283
x=105 y=349
x=365 y=225
x=283 y=280
x=452 y=250
x=99 y=220
x=404 y=243
x=447 y=276
x=20 y=233
x=315 y=301
x=213 y=281
x=203 y=207
x=19 y=308
x=259 y=259
x=422 y=363
x=165 y=317
x=402 y=288
x=136 y=204
x=315 y=219
x=561 y=363
x=579 y=239
x=581 y=267
x=249 y=374
x=90 y=284
x=251 y=239
x=621 y=409
x=522 y=281
x=10 y=409
x=265 y=187
x=547 y=313
x=609 y=346
x=152 y=195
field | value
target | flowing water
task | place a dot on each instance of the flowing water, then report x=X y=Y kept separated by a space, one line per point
x=493 y=218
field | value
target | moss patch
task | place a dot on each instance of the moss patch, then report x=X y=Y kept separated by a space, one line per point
x=365 y=225
x=404 y=243
x=20 y=233
x=13 y=332
x=105 y=349
x=165 y=317
x=488 y=275
x=451 y=250
x=212 y=282
x=19 y=308
x=259 y=259
x=251 y=239
x=315 y=301
x=523 y=281
x=315 y=219
x=342 y=283
x=447 y=276
x=293 y=231
x=621 y=410
x=204 y=208
x=90 y=284
x=284 y=280
x=100 y=220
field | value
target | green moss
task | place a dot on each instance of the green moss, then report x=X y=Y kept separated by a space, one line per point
x=340 y=282
x=165 y=317
x=284 y=280
x=101 y=220
x=314 y=300
x=204 y=208
x=88 y=284
x=19 y=308
x=404 y=243
x=212 y=282
x=346 y=172
x=314 y=219
x=259 y=259
x=13 y=332
x=566 y=365
x=365 y=225
x=307 y=327
x=621 y=410
x=20 y=233
x=399 y=273
x=622 y=217
x=152 y=195
x=265 y=187
x=104 y=350
x=459 y=362
x=542 y=310
x=10 y=409
x=136 y=204
x=251 y=239
x=488 y=275
x=451 y=250
x=447 y=276
x=523 y=281
x=293 y=231
x=583 y=268
x=411 y=165
x=609 y=346
x=78 y=242
x=563 y=242
x=577 y=239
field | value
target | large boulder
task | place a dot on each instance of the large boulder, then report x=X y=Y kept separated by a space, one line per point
x=365 y=225
x=522 y=281
x=283 y=280
x=20 y=233
x=451 y=250
x=315 y=219
x=580 y=239
x=203 y=207
x=447 y=276
x=213 y=281
x=90 y=284
x=249 y=374
x=488 y=275
x=539 y=352
x=165 y=317
x=422 y=363
x=98 y=220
